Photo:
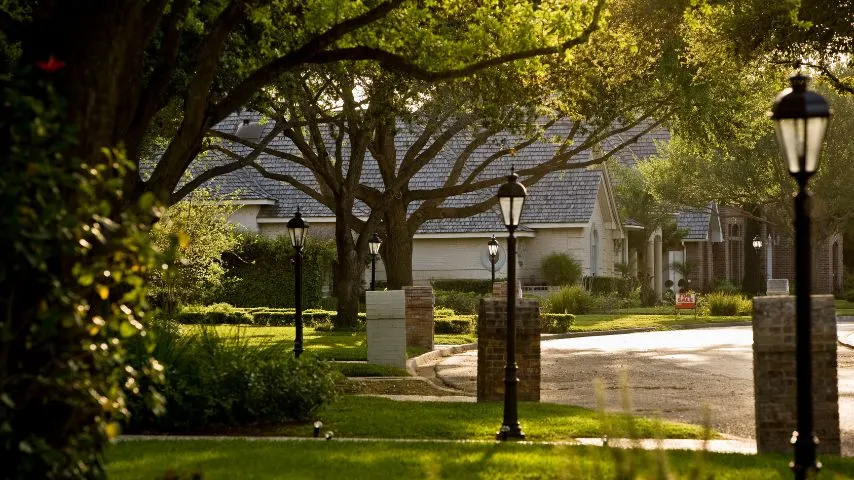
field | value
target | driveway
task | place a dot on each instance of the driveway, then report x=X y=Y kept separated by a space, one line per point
x=676 y=375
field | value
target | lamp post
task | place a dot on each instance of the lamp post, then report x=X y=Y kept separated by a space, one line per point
x=800 y=118
x=492 y=246
x=511 y=197
x=297 y=228
x=757 y=245
x=374 y=246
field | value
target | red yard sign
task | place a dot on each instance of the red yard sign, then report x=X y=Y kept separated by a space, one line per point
x=686 y=301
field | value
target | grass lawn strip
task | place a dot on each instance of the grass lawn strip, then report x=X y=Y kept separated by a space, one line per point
x=605 y=322
x=232 y=459
x=373 y=417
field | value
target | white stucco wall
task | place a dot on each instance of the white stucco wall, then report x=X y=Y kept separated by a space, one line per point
x=442 y=258
x=245 y=217
x=571 y=241
x=323 y=230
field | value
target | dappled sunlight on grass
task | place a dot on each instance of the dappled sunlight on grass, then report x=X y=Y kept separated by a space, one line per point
x=233 y=459
x=605 y=322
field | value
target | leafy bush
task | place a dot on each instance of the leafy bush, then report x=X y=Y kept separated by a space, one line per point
x=556 y=322
x=443 y=312
x=214 y=380
x=725 y=286
x=560 y=269
x=456 y=324
x=223 y=313
x=725 y=304
x=259 y=272
x=464 y=303
x=483 y=287
x=76 y=254
x=572 y=299
x=607 y=285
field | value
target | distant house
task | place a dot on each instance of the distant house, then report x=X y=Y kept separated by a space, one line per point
x=570 y=211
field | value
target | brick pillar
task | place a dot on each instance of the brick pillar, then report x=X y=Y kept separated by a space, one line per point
x=499 y=289
x=775 y=379
x=386 y=327
x=419 y=317
x=491 y=349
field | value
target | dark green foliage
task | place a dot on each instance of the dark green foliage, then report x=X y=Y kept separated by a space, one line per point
x=725 y=304
x=71 y=290
x=556 y=322
x=571 y=299
x=456 y=324
x=725 y=286
x=464 y=303
x=260 y=272
x=605 y=285
x=482 y=287
x=214 y=380
x=225 y=314
x=560 y=269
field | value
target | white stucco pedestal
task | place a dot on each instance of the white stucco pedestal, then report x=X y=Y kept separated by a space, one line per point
x=386 y=327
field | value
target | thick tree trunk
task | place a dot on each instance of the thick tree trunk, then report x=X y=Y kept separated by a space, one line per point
x=396 y=250
x=349 y=269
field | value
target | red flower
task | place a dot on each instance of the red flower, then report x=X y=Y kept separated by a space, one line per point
x=51 y=65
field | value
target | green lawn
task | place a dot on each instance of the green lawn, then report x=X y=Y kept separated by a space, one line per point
x=605 y=322
x=233 y=459
x=844 y=307
x=375 y=417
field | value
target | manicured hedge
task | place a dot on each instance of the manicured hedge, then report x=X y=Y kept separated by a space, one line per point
x=456 y=324
x=223 y=313
x=556 y=322
x=260 y=272
x=604 y=285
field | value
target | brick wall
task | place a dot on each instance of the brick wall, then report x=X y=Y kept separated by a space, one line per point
x=491 y=349
x=774 y=373
x=419 y=317
x=499 y=290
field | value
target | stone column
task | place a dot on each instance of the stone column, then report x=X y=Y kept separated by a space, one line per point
x=419 y=317
x=775 y=379
x=499 y=290
x=491 y=349
x=386 y=327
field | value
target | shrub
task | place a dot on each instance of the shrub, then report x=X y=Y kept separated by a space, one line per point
x=573 y=299
x=483 y=287
x=443 y=312
x=725 y=286
x=606 y=285
x=456 y=324
x=259 y=272
x=560 y=269
x=223 y=313
x=214 y=380
x=725 y=304
x=556 y=322
x=464 y=303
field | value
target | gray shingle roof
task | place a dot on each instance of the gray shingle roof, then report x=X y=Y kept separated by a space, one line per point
x=696 y=222
x=567 y=196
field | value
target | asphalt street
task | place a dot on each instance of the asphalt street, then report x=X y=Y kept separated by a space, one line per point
x=676 y=375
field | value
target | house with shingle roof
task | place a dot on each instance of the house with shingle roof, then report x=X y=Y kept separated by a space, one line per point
x=570 y=211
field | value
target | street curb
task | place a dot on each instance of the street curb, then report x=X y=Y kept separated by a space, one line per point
x=691 y=326
x=429 y=358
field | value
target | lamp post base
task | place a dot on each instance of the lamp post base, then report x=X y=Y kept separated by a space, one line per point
x=510 y=432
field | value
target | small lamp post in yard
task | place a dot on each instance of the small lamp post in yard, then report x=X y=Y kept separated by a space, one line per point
x=511 y=197
x=757 y=246
x=800 y=118
x=297 y=228
x=492 y=246
x=374 y=246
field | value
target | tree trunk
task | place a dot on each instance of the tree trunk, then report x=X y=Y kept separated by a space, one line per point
x=349 y=268
x=396 y=250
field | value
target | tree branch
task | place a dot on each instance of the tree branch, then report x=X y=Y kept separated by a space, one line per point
x=266 y=74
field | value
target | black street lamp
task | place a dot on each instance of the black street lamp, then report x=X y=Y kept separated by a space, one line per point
x=757 y=246
x=492 y=246
x=800 y=118
x=374 y=246
x=297 y=227
x=511 y=197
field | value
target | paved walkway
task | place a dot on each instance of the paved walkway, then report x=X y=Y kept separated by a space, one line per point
x=676 y=375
